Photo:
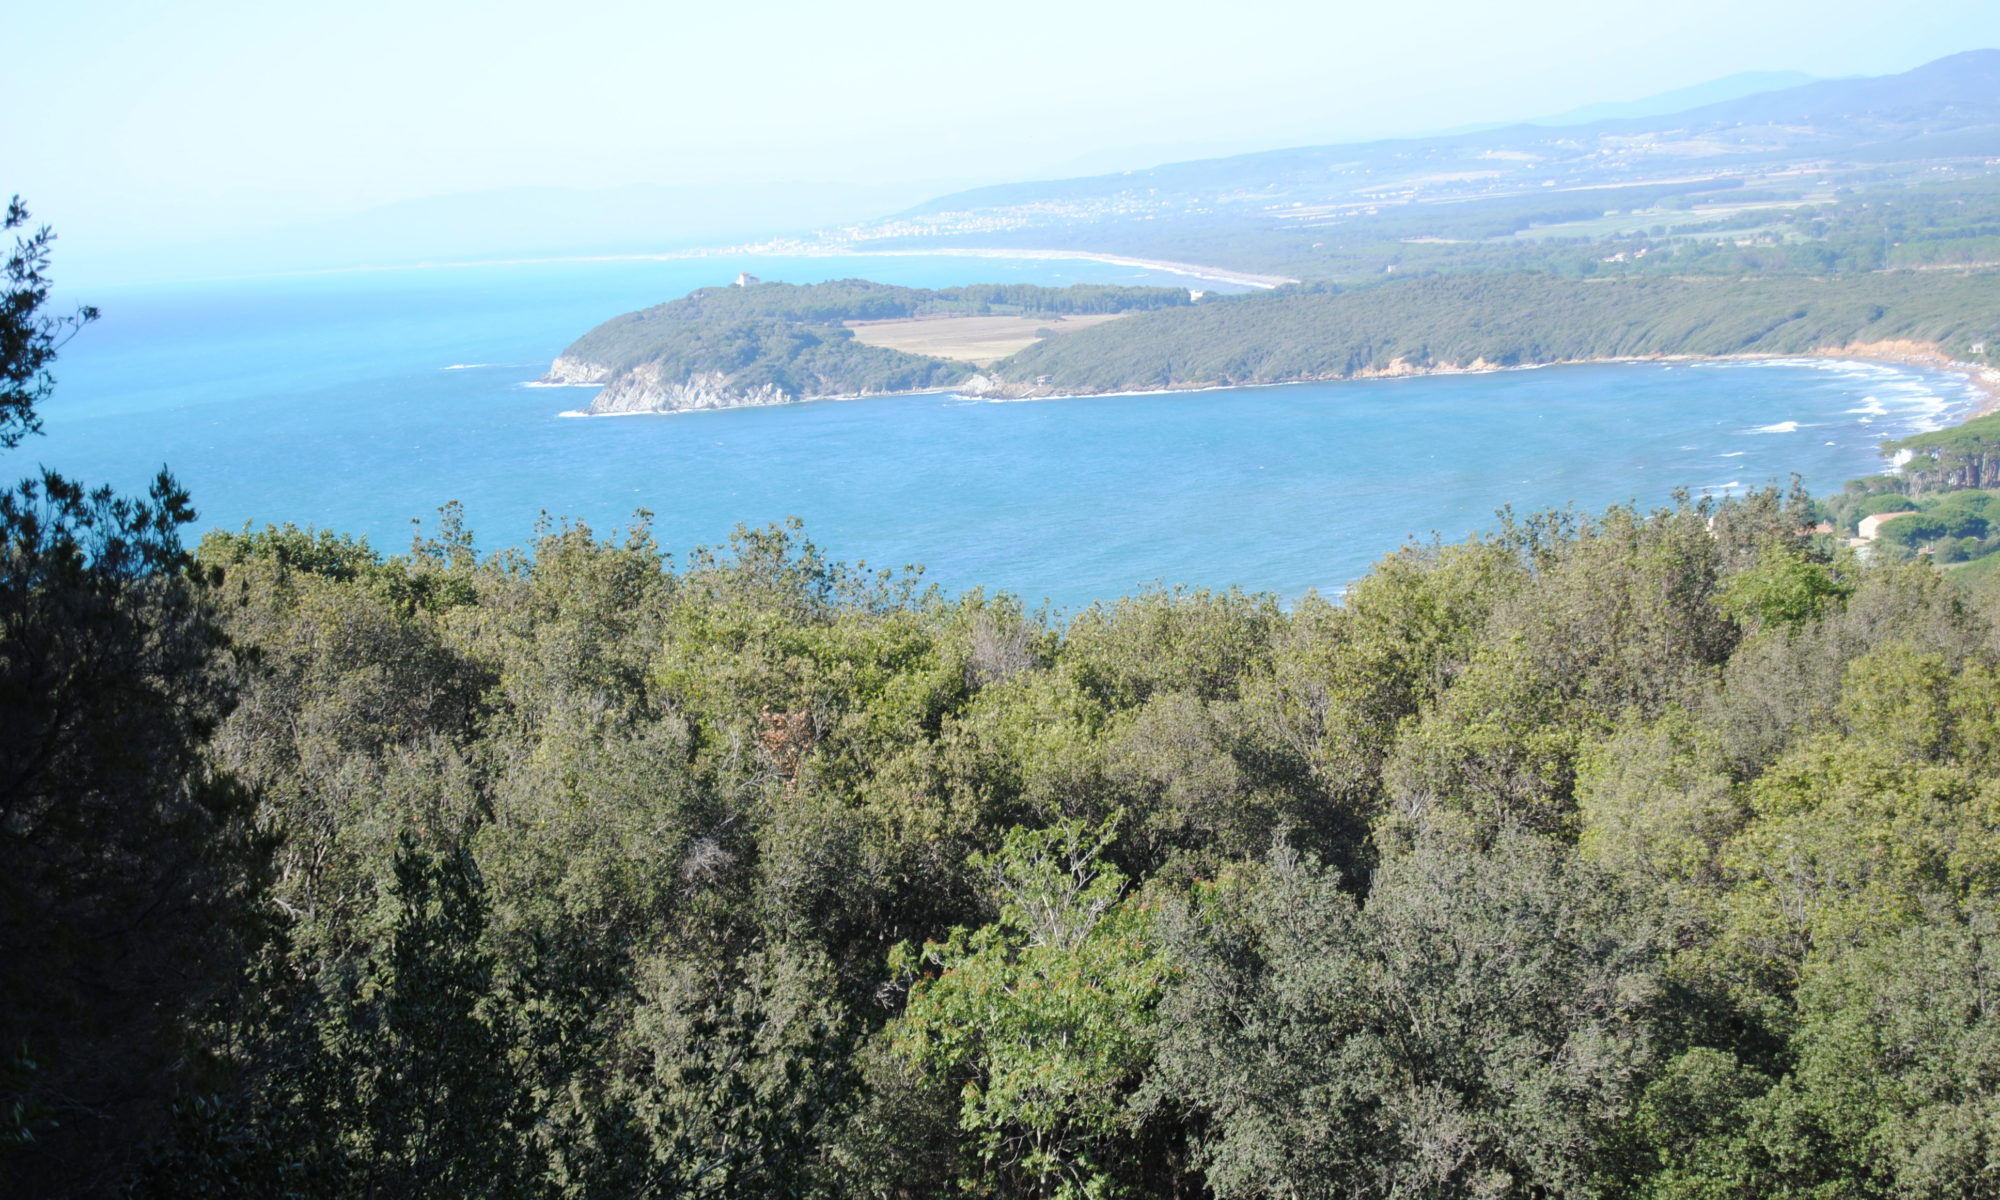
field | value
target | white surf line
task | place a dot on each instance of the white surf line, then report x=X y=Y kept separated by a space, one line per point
x=1192 y=270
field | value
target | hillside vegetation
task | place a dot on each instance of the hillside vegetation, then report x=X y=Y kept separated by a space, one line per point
x=778 y=342
x=1966 y=455
x=1639 y=855
x=702 y=328
x=1460 y=321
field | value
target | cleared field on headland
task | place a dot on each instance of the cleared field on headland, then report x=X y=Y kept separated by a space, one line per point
x=980 y=341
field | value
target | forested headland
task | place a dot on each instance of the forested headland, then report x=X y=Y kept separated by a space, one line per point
x=650 y=333
x=1630 y=854
x=772 y=343
x=1485 y=321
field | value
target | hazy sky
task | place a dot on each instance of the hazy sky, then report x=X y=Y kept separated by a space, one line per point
x=160 y=120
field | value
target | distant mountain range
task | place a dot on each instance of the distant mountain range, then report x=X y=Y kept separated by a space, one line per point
x=1945 y=111
x=1119 y=159
x=1715 y=91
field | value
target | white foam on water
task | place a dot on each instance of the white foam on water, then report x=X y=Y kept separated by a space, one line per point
x=1733 y=454
x=1780 y=427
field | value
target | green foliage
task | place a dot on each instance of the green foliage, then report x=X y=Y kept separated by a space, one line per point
x=1046 y=1014
x=130 y=864
x=1614 y=618
x=1784 y=590
x=1655 y=801
x=791 y=337
x=419 y=1090
x=1900 y=1056
x=1962 y=456
x=29 y=337
x=1608 y=855
x=1509 y=320
x=1348 y=1048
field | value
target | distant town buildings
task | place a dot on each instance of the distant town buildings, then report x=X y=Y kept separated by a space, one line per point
x=1870 y=528
x=746 y=279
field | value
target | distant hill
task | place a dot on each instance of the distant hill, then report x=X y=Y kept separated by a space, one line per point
x=1119 y=159
x=1729 y=87
x=1829 y=118
x=774 y=343
x=1273 y=209
x=1469 y=323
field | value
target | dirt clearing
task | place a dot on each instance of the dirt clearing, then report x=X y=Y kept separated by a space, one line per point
x=980 y=341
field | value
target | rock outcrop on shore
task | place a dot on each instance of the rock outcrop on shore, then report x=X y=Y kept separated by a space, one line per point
x=647 y=389
x=574 y=372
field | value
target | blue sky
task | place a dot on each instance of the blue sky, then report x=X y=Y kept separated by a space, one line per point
x=154 y=122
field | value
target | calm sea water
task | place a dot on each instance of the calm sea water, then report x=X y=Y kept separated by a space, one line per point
x=361 y=401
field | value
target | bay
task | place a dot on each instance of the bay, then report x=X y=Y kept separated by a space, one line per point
x=361 y=401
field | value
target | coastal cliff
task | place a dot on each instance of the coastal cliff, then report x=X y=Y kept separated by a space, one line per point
x=568 y=371
x=646 y=388
x=654 y=387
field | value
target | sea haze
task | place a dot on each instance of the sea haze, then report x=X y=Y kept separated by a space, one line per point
x=360 y=401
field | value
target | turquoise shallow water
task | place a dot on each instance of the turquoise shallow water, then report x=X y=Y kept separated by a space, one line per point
x=361 y=401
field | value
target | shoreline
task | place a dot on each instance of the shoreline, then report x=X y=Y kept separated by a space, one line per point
x=1201 y=271
x=1982 y=379
x=682 y=412
x=1931 y=357
x=1191 y=270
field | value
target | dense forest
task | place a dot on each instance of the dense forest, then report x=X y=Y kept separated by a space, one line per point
x=775 y=342
x=1325 y=331
x=738 y=328
x=788 y=338
x=1632 y=854
x=781 y=361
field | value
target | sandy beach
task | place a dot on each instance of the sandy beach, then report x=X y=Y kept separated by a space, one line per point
x=1930 y=355
x=1191 y=270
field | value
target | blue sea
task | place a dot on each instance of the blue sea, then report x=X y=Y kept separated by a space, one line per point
x=362 y=401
